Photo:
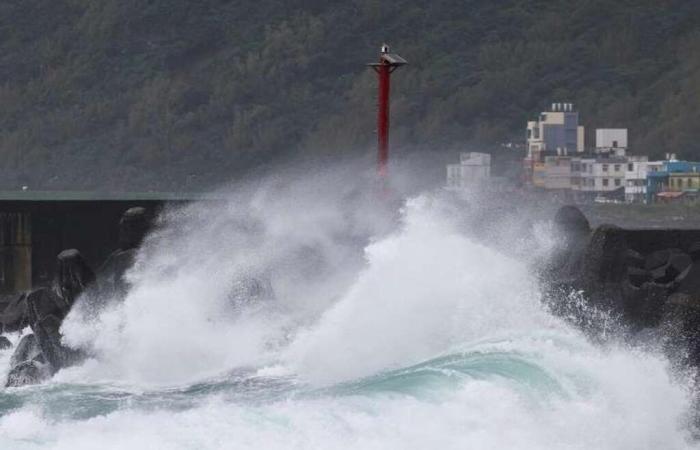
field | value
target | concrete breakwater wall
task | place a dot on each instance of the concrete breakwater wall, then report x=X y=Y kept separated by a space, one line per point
x=648 y=279
x=648 y=241
x=33 y=231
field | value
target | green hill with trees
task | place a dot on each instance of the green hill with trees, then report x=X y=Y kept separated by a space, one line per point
x=181 y=94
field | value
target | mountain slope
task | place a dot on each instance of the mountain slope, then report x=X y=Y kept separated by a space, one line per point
x=171 y=94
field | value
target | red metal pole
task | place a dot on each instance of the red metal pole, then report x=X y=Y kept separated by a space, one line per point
x=384 y=75
x=388 y=62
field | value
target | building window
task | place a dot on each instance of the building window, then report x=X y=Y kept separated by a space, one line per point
x=617 y=181
x=614 y=144
x=630 y=167
x=605 y=180
x=617 y=167
x=605 y=167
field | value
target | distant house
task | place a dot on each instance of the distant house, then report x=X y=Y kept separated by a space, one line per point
x=555 y=133
x=684 y=182
x=602 y=172
x=674 y=181
x=556 y=161
x=556 y=173
x=656 y=184
x=473 y=170
x=636 y=178
x=605 y=172
x=599 y=175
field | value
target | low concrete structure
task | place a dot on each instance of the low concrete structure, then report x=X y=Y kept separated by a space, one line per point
x=36 y=226
x=473 y=170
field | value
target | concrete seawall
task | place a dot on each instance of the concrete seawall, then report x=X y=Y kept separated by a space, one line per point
x=651 y=240
x=36 y=226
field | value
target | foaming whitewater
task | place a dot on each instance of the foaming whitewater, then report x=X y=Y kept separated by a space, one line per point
x=426 y=289
x=371 y=327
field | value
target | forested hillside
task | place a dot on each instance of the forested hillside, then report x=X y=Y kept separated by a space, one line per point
x=175 y=94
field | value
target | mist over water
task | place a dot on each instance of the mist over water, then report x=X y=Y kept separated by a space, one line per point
x=314 y=310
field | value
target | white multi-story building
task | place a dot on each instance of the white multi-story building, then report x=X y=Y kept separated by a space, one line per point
x=594 y=176
x=474 y=169
x=636 y=177
x=604 y=172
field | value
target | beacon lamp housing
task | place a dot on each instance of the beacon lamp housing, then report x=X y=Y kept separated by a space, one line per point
x=389 y=59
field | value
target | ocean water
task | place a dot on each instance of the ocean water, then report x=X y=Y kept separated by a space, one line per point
x=386 y=330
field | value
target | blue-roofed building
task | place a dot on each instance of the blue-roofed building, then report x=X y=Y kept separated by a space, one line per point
x=656 y=182
x=680 y=172
x=682 y=166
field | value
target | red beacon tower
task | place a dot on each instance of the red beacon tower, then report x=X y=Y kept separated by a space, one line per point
x=388 y=62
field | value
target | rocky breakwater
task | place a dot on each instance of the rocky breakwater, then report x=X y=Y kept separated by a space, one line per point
x=648 y=280
x=40 y=354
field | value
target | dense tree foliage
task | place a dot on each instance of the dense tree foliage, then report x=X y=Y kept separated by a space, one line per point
x=174 y=94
